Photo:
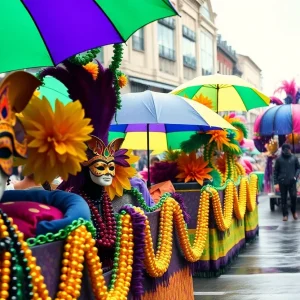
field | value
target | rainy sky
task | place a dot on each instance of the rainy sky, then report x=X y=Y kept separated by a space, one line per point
x=266 y=30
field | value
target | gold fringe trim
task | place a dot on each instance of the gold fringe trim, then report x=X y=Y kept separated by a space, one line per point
x=180 y=287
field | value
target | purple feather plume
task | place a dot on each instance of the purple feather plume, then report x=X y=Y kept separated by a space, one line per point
x=139 y=225
x=97 y=97
x=291 y=89
x=275 y=100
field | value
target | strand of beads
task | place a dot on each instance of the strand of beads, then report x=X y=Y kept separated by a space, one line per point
x=135 y=192
x=20 y=284
x=120 y=286
x=105 y=225
x=223 y=222
x=239 y=201
x=157 y=264
x=252 y=190
x=72 y=264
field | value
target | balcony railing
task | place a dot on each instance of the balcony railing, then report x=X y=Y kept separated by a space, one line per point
x=167 y=53
x=189 y=62
x=138 y=43
x=188 y=33
x=169 y=22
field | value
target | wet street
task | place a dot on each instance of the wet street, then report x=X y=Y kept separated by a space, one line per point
x=269 y=267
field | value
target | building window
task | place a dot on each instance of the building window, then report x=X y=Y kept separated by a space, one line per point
x=189 y=47
x=205 y=12
x=166 y=41
x=189 y=53
x=207 y=53
x=138 y=87
x=138 y=40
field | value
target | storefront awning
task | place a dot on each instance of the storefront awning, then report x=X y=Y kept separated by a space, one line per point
x=152 y=83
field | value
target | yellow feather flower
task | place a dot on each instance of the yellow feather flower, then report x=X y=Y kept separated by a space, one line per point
x=192 y=168
x=121 y=180
x=56 y=140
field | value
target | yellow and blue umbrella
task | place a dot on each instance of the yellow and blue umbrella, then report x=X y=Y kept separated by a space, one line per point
x=226 y=92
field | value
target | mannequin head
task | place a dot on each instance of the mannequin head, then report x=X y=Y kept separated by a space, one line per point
x=16 y=91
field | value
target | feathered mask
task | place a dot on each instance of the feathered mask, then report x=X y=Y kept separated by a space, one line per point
x=102 y=158
x=16 y=91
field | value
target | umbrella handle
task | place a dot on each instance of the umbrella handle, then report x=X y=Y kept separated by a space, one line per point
x=148 y=155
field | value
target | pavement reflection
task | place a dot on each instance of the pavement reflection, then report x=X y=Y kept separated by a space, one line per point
x=269 y=268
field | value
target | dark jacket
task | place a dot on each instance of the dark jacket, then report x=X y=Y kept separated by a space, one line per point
x=286 y=169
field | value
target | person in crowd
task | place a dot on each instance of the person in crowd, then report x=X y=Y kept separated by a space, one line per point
x=28 y=183
x=286 y=172
x=142 y=162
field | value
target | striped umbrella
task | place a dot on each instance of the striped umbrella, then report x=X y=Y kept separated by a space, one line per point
x=44 y=33
x=162 y=137
x=280 y=120
x=226 y=92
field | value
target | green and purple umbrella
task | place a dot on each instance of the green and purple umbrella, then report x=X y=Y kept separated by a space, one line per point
x=39 y=33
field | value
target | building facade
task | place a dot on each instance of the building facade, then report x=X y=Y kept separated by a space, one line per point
x=164 y=54
x=226 y=58
x=252 y=74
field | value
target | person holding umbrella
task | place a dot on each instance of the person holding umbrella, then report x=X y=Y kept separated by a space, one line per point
x=286 y=172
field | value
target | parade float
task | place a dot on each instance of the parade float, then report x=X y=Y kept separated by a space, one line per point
x=278 y=125
x=217 y=173
x=115 y=251
x=99 y=235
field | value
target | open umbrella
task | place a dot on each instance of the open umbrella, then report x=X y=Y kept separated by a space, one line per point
x=283 y=121
x=45 y=33
x=227 y=92
x=161 y=136
x=157 y=108
x=53 y=89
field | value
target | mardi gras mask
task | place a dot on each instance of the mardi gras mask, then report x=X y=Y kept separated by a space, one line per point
x=103 y=159
x=16 y=91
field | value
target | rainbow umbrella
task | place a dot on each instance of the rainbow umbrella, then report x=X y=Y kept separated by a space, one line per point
x=226 y=92
x=45 y=33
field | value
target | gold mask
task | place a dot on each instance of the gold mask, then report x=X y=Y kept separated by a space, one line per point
x=16 y=91
x=101 y=158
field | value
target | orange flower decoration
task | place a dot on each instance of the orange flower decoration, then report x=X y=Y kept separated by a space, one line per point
x=220 y=138
x=93 y=69
x=192 y=168
x=122 y=80
x=204 y=100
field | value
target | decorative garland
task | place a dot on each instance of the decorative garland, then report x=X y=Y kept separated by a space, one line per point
x=105 y=225
x=114 y=67
x=61 y=234
x=85 y=58
x=134 y=246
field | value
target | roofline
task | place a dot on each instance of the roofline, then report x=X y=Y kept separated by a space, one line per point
x=251 y=60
